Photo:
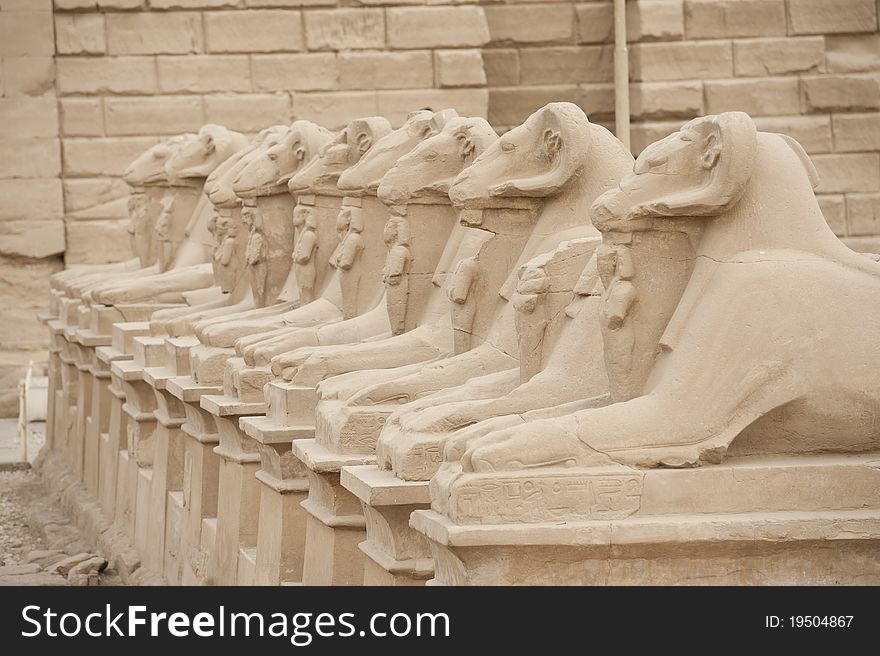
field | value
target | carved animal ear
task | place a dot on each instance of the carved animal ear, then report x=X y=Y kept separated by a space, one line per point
x=466 y=145
x=552 y=142
x=210 y=144
x=364 y=142
x=712 y=151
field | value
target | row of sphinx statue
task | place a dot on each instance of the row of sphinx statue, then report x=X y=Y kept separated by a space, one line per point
x=463 y=345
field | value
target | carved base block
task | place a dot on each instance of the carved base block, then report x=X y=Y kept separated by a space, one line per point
x=172 y=532
x=281 y=530
x=143 y=493
x=290 y=404
x=247 y=566
x=167 y=477
x=351 y=427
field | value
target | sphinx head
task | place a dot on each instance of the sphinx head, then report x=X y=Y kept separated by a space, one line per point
x=429 y=169
x=323 y=171
x=366 y=174
x=148 y=168
x=535 y=159
x=218 y=186
x=701 y=170
x=213 y=145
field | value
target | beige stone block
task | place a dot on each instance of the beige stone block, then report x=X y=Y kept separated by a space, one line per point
x=84 y=193
x=30 y=158
x=665 y=100
x=833 y=208
x=396 y=105
x=26 y=291
x=811 y=132
x=75 y=4
x=510 y=106
x=300 y=72
x=35 y=239
x=26 y=33
x=95 y=242
x=120 y=75
x=254 y=31
x=25 y=5
x=654 y=20
x=23 y=115
x=550 y=23
x=566 y=64
x=310 y=3
x=199 y=4
x=204 y=73
x=386 y=70
x=859 y=172
x=333 y=110
x=345 y=29
x=755 y=96
x=653 y=62
x=852 y=53
x=80 y=34
x=28 y=76
x=436 y=27
x=459 y=68
x=841 y=93
x=823 y=17
x=121 y=4
x=863 y=214
x=710 y=19
x=756 y=57
x=248 y=113
x=36 y=198
x=856 y=132
x=82 y=117
x=155 y=115
x=595 y=22
x=154 y=33
x=502 y=66
x=642 y=135
x=95 y=157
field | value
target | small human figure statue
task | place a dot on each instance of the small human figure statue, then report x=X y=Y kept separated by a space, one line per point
x=347 y=257
x=464 y=306
x=343 y=220
x=166 y=248
x=140 y=239
x=226 y=234
x=395 y=273
x=529 y=301
x=255 y=254
x=616 y=271
x=304 y=253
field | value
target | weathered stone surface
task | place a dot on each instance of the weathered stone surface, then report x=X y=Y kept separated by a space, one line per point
x=852 y=53
x=663 y=100
x=26 y=116
x=33 y=238
x=122 y=75
x=783 y=56
x=758 y=96
x=440 y=27
x=27 y=284
x=36 y=198
x=204 y=73
x=335 y=109
x=856 y=132
x=91 y=157
x=80 y=34
x=858 y=172
x=30 y=158
x=459 y=68
x=834 y=209
x=565 y=65
x=863 y=214
x=26 y=33
x=27 y=76
x=248 y=113
x=502 y=66
x=842 y=93
x=680 y=61
x=156 y=115
x=300 y=72
x=653 y=20
x=83 y=193
x=547 y=23
x=153 y=33
x=811 y=132
x=345 y=29
x=820 y=17
x=385 y=70
x=706 y=19
x=82 y=117
x=95 y=242
x=254 y=31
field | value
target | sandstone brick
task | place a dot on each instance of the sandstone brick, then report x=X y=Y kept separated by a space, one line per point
x=655 y=62
x=84 y=193
x=25 y=5
x=248 y=113
x=852 y=53
x=595 y=22
x=654 y=20
x=665 y=100
x=859 y=172
x=756 y=96
x=833 y=209
x=333 y=110
x=204 y=73
x=121 y=75
x=155 y=115
x=856 y=132
x=34 y=239
x=312 y=3
x=510 y=106
x=755 y=57
x=812 y=132
x=95 y=242
x=642 y=135
x=841 y=93
x=300 y=72
x=396 y=105
x=75 y=4
x=27 y=33
x=550 y=23
x=28 y=76
x=195 y=4
x=559 y=65
x=26 y=286
x=82 y=117
x=459 y=68
x=80 y=34
x=23 y=115
x=345 y=29
x=94 y=157
x=823 y=17
x=502 y=66
x=31 y=198
x=253 y=31
x=863 y=214
x=30 y=158
x=411 y=69
x=155 y=33
x=437 y=27
x=121 y=4
x=733 y=18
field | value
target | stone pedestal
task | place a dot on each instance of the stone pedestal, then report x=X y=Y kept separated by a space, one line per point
x=53 y=403
x=749 y=521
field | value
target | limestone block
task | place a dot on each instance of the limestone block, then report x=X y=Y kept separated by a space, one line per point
x=459 y=68
x=757 y=96
x=833 y=209
x=155 y=115
x=200 y=4
x=118 y=75
x=96 y=242
x=510 y=106
x=852 y=53
x=502 y=66
x=566 y=65
x=27 y=33
x=334 y=110
x=253 y=31
x=848 y=172
x=680 y=61
x=36 y=198
x=30 y=158
x=707 y=19
x=75 y=4
x=396 y=105
x=300 y=72
x=653 y=20
x=842 y=93
x=644 y=134
x=33 y=117
x=84 y=193
x=121 y=4
x=856 y=132
x=755 y=57
x=25 y=5
x=546 y=23
x=34 y=239
x=91 y=157
x=27 y=284
x=437 y=27
x=28 y=76
x=821 y=17
x=595 y=22
x=248 y=113
x=863 y=214
x=82 y=117
x=204 y=73
x=80 y=34
x=811 y=132
x=659 y=100
x=385 y=70
x=154 y=33
x=345 y=29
